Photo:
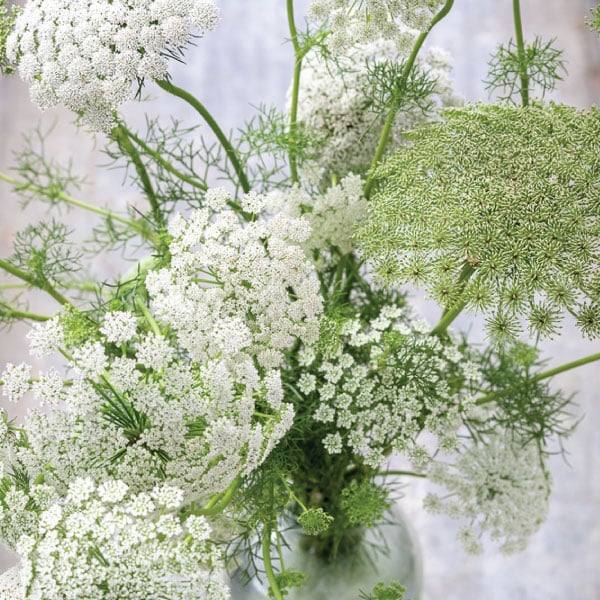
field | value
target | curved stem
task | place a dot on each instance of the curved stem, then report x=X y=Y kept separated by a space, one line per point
x=164 y=163
x=394 y=472
x=449 y=315
x=121 y=136
x=44 y=285
x=544 y=375
x=523 y=74
x=219 y=501
x=295 y=90
x=22 y=185
x=266 y=552
x=398 y=90
x=210 y=121
x=13 y=313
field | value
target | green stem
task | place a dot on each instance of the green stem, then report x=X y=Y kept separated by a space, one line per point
x=447 y=319
x=398 y=90
x=165 y=163
x=22 y=185
x=148 y=316
x=293 y=496
x=295 y=90
x=44 y=285
x=219 y=501
x=121 y=136
x=393 y=472
x=523 y=74
x=210 y=121
x=13 y=313
x=449 y=315
x=266 y=552
x=279 y=550
x=540 y=376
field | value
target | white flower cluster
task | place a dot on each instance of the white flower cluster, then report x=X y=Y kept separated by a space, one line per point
x=363 y=21
x=11 y=587
x=202 y=405
x=16 y=381
x=335 y=104
x=499 y=487
x=86 y=54
x=332 y=215
x=234 y=294
x=385 y=384
x=106 y=543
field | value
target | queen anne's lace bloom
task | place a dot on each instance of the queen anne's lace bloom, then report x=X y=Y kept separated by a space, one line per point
x=86 y=54
x=336 y=104
x=199 y=400
x=332 y=215
x=227 y=291
x=386 y=382
x=109 y=545
x=15 y=381
x=364 y=21
x=500 y=487
x=45 y=338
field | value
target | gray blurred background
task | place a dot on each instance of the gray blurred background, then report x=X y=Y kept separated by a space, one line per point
x=246 y=62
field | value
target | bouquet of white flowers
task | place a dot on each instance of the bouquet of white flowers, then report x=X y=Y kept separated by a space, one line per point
x=244 y=386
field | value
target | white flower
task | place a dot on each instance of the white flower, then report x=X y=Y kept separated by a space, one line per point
x=499 y=487
x=80 y=490
x=90 y=359
x=307 y=383
x=154 y=352
x=217 y=198
x=45 y=338
x=335 y=106
x=112 y=491
x=119 y=326
x=333 y=443
x=168 y=496
x=12 y=585
x=15 y=381
x=144 y=554
x=253 y=202
x=48 y=389
x=87 y=54
x=354 y=22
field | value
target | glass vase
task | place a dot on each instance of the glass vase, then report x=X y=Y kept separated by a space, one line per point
x=388 y=552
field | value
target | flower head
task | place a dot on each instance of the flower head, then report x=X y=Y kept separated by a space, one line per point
x=344 y=102
x=86 y=54
x=510 y=192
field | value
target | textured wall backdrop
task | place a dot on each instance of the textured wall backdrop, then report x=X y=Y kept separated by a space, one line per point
x=246 y=62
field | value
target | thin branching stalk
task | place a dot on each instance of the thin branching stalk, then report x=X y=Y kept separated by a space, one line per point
x=523 y=74
x=266 y=552
x=210 y=121
x=401 y=473
x=8 y=312
x=121 y=136
x=295 y=90
x=22 y=185
x=219 y=502
x=164 y=163
x=398 y=91
x=44 y=285
x=450 y=315
x=491 y=397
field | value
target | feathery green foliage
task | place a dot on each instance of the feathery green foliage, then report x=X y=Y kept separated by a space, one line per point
x=543 y=63
x=514 y=193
